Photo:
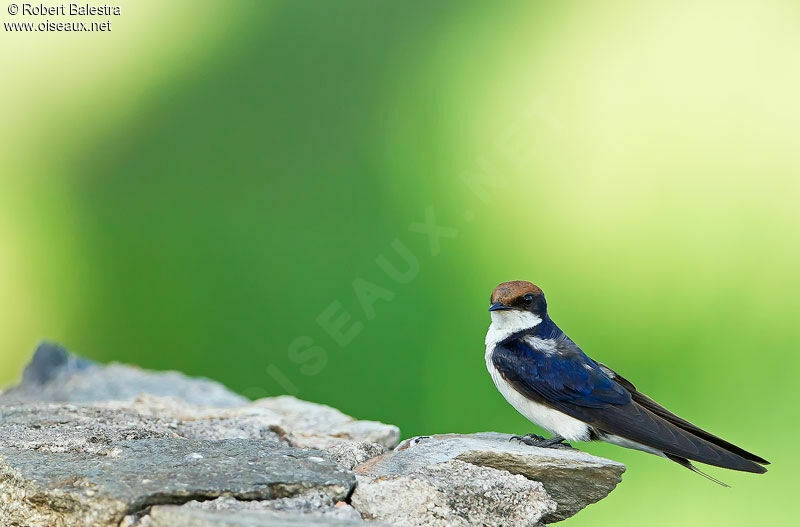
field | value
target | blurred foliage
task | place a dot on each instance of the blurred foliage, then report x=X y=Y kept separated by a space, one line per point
x=193 y=190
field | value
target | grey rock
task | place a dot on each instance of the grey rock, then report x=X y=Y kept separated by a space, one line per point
x=295 y=422
x=346 y=452
x=305 y=420
x=240 y=427
x=173 y=516
x=62 y=428
x=53 y=488
x=309 y=508
x=574 y=479
x=51 y=360
x=56 y=375
x=312 y=503
x=349 y=454
x=191 y=408
x=94 y=428
x=453 y=493
x=94 y=445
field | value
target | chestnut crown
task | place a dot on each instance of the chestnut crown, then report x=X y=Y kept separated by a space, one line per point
x=518 y=294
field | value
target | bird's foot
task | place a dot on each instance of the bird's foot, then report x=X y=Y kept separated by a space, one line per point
x=528 y=439
x=541 y=442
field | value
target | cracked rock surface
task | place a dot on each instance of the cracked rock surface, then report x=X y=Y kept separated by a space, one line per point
x=87 y=489
x=86 y=444
x=173 y=516
x=311 y=508
x=574 y=479
x=453 y=493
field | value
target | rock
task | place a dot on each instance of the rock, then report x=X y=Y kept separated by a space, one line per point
x=351 y=453
x=206 y=422
x=173 y=516
x=312 y=508
x=51 y=360
x=55 y=375
x=572 y=478
x=114 y=454
x=308 y=504
x=575 y=479
x=346 y=452
x=91 y=445
x=284 y=417
x=310 y=420
x=46 y=488
x=75 y=429
x=453 y=493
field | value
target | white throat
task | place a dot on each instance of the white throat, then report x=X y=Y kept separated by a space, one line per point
x=508 y=321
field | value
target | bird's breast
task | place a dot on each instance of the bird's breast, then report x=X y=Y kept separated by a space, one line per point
x=551 y=420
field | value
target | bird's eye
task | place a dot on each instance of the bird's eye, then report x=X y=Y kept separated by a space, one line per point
x=528 y=298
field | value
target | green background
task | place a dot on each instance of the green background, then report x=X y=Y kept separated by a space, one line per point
x=192 y=190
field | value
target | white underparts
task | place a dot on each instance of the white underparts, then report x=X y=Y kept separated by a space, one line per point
x=504 y=323
x=551 y=420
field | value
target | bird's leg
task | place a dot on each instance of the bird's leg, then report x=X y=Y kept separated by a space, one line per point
x=555 y=442
x=528 y=439
x=536 y=440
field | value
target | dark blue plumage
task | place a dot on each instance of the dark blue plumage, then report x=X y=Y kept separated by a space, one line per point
x=562 y=374
x=528 y=354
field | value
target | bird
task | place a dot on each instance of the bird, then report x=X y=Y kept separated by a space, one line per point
x=547 y=378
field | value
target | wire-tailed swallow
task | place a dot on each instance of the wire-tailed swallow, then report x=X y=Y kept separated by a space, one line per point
x=548 y=379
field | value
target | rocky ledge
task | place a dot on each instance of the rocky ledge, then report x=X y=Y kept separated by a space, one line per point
x=84 y=444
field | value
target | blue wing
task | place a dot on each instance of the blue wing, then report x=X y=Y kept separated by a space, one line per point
x=555 y=372
x=559 y=373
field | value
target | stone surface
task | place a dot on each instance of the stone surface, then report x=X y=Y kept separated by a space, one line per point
x=205 y=422
x=311 y=508
x=84 y=444
x=56 y=375
x=47 y=488
x=173 y=516
x=310 y=504
x=307 y=422
x=453 y=493
x=571 y=477
x=45 y=427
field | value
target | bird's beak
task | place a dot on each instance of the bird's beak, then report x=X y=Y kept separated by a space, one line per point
x=498 y=306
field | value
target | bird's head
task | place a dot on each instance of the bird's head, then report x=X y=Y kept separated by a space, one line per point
x=518 y=295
